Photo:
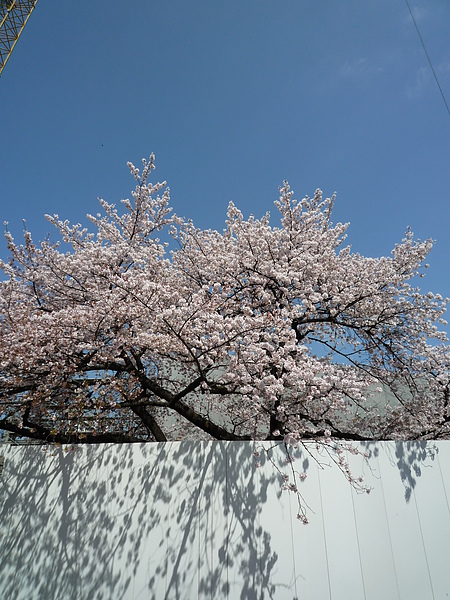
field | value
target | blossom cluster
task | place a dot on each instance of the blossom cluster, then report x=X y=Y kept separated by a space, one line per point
x=259 y=331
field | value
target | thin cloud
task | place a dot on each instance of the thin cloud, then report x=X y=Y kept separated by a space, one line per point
x=443 y=70
x=355 y=67
x=422 y=80
x=360 y=68
x=420 y=13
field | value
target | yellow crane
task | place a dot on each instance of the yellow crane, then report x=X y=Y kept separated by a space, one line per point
x=14 y=15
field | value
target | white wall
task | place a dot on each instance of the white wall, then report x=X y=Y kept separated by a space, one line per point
x=192 y=520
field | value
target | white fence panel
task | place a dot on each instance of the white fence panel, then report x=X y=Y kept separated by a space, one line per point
x=197 y=520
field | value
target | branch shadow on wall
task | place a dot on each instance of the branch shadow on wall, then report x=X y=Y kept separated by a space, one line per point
x=409 y=457
x=168 y=521
x=150 y=521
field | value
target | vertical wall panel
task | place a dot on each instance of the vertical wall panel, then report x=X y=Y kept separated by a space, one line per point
x=310 y=552
x=374 y=544
x=149 y=489
x=212 y=524
x=246 y=559
x=443 y=464
x=38 y=507
x=340 y=533
x=102 y=523
x=274 y=529
x=434 y=520
x=409 y=556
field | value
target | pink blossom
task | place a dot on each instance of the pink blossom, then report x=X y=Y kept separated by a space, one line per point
x=230 y=335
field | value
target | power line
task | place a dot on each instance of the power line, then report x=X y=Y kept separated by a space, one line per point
x=426 y=53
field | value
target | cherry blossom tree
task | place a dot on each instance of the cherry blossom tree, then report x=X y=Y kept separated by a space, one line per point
x=258 y=332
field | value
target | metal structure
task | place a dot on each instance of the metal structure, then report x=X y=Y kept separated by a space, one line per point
x=14 y=15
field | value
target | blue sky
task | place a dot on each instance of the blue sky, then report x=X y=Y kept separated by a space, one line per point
x=233 y=97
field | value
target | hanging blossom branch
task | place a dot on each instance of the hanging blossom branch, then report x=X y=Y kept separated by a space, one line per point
x=291 y=478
